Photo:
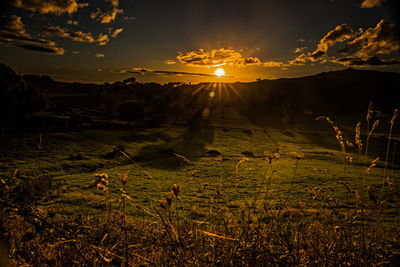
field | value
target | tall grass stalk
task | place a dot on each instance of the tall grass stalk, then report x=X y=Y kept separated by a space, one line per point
x=395 y=114
x=368 y=118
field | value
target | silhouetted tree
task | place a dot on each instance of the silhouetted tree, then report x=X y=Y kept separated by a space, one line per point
x=18 y=98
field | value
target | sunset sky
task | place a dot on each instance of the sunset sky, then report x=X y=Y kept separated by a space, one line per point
x=170 y=40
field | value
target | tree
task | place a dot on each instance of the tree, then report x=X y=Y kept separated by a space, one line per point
x=18 y=98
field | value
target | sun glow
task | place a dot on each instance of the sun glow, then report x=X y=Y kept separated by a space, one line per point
x=219 y=72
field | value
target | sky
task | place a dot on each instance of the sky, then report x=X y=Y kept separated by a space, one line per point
x=187 y=40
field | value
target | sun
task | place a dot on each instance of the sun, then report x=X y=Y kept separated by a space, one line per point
x=219 y=72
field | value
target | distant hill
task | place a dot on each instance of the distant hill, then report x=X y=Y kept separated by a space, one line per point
x=345 y=91
x=342 y=91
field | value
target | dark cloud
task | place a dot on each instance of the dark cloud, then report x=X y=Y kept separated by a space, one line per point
x=340 y=34
x=382 y=39
x=45 y=49
x=216 y=57
x=144 y=71
x=371 y=3
x=362 y=47
x=108 y=16
x=77 y=36
x=13 y=32
x=365 y=62
x=50 y=6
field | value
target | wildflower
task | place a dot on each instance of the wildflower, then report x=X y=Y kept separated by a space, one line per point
x=102 y=181
x=176 y=189
x=165 y=202
x=123 y=177
x=271 y=155
x=297 y=155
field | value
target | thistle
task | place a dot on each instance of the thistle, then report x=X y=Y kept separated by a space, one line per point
x=176 y=189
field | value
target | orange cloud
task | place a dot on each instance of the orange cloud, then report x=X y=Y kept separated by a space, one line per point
x=216 y=57
x=116 y=32
x=371 y=3
x=77 y=36
x=170 y=62
x=50 y=6
x=107 y=17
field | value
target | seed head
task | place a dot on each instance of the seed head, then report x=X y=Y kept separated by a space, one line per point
x=370 y=111
x=357 y=137
x=373 y=164
x=395 y=115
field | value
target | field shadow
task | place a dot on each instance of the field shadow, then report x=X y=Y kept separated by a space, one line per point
x=138 y=137
x=173 y=154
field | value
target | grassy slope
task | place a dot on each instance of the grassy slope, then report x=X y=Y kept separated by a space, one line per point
x=207 y=179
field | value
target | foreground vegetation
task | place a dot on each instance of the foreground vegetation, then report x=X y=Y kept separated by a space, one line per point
x=160 y=201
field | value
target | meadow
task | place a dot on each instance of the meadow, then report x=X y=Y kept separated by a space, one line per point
x=228 y=193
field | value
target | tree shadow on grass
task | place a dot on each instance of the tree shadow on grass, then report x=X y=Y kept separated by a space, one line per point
x=138 y=137
x=185 y=150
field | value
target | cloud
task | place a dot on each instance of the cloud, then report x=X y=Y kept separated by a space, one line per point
x=116 y=32
x=380 y=40
x=144 y=71
x=371 y=3
x=299 y=49
x=340 y=34
x=108 y=16
x=216 y=57
x=13 y=32
x=50 y=6
x=170 y=62
x=45 y=49
x=114 y=3
x=77 y=36
x=103 y=39
x=274 y=64
x=99 y=55
x=73 y=22
x=362 y=47
x=365 y=62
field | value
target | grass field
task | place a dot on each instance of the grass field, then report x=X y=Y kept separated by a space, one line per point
x=242 y=176
x=73 y=158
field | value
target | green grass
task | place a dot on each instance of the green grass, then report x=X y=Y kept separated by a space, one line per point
x=73 y=158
